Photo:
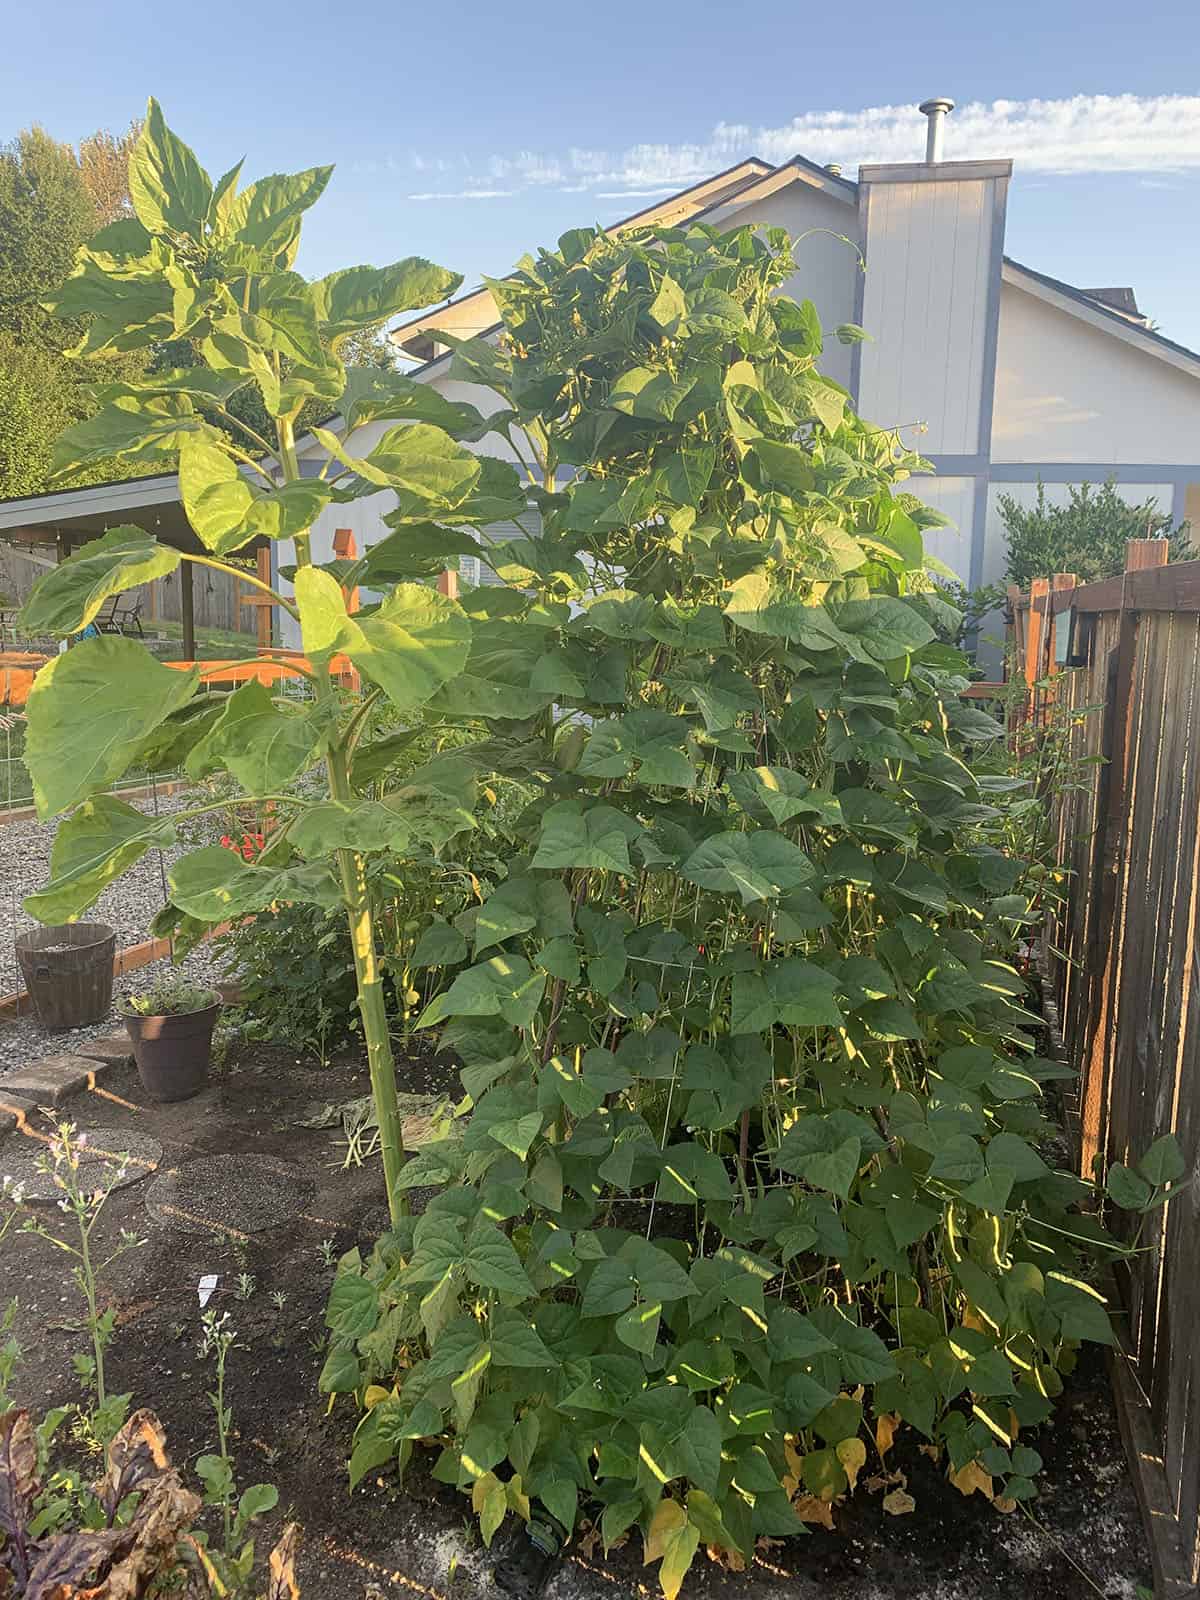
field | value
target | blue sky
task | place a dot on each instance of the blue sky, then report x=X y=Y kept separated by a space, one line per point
x=518 y=122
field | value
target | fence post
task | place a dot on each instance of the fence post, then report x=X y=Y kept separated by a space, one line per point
x=1108 y=853
x=1039 y=588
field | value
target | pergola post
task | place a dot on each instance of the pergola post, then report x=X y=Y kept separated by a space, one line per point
x=187 y=611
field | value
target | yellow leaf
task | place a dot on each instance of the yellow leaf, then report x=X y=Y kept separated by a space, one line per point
x=795 y=1463
x=972 y=1478
x=1003 y=1503
x=885 y=1432
x=668 y=1519
x=899 y=1503
x=972 y=1319
x=480 y=1489
x=810 y=1509
x=374 y=1394
x=518 y=1500
x=852 y=1453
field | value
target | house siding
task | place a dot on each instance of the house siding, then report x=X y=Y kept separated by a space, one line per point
x=933 y=255
x=1067 y=392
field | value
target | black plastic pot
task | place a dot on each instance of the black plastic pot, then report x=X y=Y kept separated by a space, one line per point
x=172 y=1052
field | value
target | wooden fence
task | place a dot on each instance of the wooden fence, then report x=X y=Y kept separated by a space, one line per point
x=1121 y=959
x=218 y=600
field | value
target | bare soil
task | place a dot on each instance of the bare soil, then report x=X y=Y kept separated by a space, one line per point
x=382 y=1541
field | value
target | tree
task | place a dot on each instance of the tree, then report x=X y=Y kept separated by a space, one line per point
x=1087 y=536
x=45 y=215
x=104 y=168
x=36 y=404
x=50 y=203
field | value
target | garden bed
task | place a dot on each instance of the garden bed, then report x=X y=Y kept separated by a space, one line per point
x=1086 y=1540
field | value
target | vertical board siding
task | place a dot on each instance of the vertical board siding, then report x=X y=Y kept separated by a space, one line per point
x=926 y=303
x=1121 y=958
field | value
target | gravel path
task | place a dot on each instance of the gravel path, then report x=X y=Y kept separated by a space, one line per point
x=129 y=906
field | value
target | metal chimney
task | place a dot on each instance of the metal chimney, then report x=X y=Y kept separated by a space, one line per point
x=936 y=110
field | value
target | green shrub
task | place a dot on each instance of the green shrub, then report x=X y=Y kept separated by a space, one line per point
x=1087 y=536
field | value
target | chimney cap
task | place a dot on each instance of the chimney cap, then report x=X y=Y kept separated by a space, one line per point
x=939 y=102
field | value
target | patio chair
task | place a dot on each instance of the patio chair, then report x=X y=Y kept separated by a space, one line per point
x=103 y=621
x=113 y=617
x=128 y=619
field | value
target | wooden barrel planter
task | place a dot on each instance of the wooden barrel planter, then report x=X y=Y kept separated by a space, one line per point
x=68 y=971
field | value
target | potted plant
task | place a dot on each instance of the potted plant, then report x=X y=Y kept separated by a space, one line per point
x=171 y=1028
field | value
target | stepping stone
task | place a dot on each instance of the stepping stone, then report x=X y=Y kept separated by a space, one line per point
x=104 y=1151
x=14 y=1108
x=114 y=1049
x=49 y=1080
x=230 y=1194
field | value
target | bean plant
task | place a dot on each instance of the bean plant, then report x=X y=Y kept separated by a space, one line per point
x=750 y=1166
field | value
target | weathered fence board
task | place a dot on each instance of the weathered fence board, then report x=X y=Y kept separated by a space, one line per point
x=1122 y=961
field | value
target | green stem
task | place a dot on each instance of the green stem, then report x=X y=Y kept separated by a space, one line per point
x=223 y=1446
x=356 y=898
x=89 y=1290
x=370 y=1000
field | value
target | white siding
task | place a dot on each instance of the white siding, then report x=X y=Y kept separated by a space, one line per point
x=954 y=498
x=1069 y=392
x=930 y=261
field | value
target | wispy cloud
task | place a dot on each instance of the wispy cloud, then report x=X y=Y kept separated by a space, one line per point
x=465 y=194
x=633 y=194
x=1082 y=134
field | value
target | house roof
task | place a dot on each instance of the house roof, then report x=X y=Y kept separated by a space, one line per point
x=1120 y=299
x=85 y=512
x=1111 y=310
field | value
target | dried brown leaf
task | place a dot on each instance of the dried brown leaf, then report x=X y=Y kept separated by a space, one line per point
x=69 y=1558
x=282 y=1583
x=972 y=1479
x=885 y=1431
x=1002 y=1502
x=728 y=1560
x=164 y=1514
x=885 y=1480
x=138 y=1452
x=811 y=1509
x=899 y=1503
x=18 y=1471
x=587 y=1539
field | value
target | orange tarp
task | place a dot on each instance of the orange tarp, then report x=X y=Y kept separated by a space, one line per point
x=19 y=667
x=17 y=671
x=267 y=672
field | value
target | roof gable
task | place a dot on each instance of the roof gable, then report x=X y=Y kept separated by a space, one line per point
x=1077 y=303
